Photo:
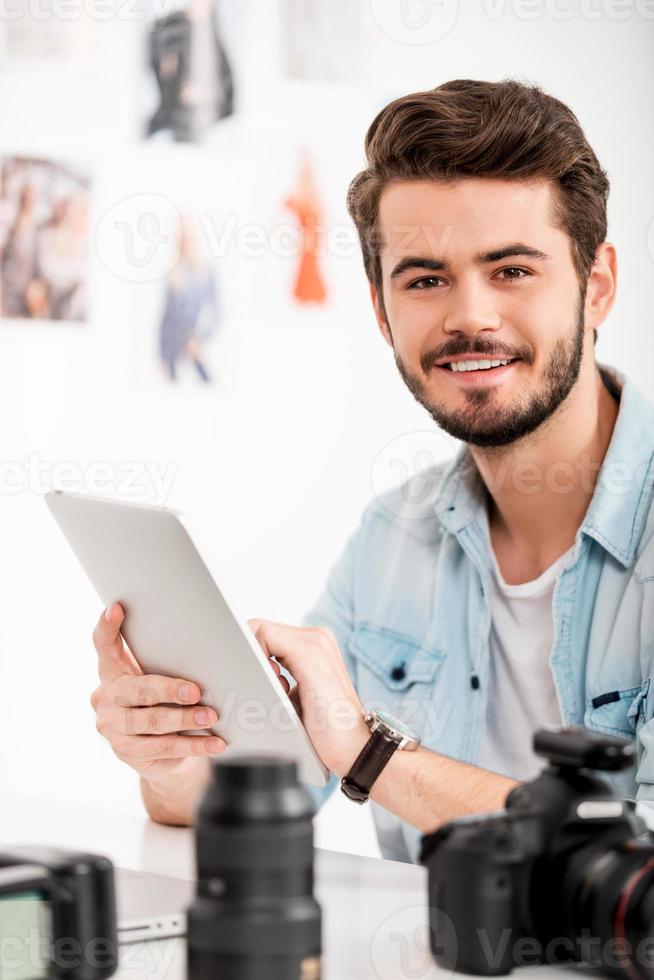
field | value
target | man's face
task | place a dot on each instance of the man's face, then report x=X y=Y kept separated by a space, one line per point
x=475 y=271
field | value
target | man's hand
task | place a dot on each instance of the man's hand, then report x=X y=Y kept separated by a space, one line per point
x=423 y=788
x=141 y=716
x=325 y=697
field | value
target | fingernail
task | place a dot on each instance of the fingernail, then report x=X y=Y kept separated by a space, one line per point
x=186 y=692
x=107 y=613
x=202 y=717
x=215 y=745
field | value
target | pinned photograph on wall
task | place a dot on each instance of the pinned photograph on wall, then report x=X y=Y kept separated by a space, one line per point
x=177 y=317
x=44 y=240
x=310 y=266
x=192 y=72
x=319 y=40
x=191 y=311
x=304 y=201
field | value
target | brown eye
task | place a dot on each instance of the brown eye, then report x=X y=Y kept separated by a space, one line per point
x=418 y=284
x=521 y=272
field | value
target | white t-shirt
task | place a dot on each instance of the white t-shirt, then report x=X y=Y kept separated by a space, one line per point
x=522 y=696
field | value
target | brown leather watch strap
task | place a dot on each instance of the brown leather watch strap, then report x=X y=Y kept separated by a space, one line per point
x=367 y=766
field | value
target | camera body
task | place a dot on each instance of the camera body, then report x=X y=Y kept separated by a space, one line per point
x=58 y=913
x=557 y=877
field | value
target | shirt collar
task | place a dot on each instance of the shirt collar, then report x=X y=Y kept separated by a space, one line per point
x=623 y=491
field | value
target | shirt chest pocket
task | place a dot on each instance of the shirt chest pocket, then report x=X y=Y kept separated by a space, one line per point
x=392 y=670
x=618 y=712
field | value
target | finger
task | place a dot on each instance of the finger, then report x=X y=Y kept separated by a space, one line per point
x=151 y=747
x=255 y=625
x=256 y=622
x=280 y=677
x=149 y=690
x=163 y=720
x=113 y=657
x=294 y=695
x=293 y=648
x=310 y=654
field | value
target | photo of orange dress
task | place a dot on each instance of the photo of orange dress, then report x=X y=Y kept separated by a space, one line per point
x=309 y=285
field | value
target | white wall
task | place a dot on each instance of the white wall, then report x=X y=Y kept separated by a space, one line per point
x=274 y=464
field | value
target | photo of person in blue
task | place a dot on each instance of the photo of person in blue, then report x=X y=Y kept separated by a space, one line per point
x=191 y=312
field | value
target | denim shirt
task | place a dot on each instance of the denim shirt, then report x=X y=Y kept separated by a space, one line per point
x=408 y=602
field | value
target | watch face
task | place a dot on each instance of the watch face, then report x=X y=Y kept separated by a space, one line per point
x=394 y=724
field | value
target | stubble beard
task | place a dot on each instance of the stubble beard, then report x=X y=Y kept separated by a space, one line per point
x=482 y=423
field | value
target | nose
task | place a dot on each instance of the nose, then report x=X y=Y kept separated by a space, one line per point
x=471 y=309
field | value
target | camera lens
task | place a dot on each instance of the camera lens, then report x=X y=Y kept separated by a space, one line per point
x=254 y=915
x=612 y=907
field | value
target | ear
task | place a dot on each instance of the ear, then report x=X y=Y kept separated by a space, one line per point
x=602 y=284
x=379 y=315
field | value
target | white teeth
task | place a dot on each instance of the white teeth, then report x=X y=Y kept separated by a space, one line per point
x=475 y=365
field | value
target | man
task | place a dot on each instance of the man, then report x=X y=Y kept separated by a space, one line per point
x=520 y=592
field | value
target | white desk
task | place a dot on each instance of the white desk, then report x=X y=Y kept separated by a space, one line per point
x=374 y=911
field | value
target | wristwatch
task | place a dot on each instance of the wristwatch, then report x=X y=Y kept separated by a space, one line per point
x=387 y=736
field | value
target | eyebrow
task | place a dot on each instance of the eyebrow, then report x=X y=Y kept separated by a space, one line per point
x=434 y=265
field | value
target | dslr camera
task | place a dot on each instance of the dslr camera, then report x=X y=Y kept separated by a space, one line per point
x=564 y=874
x=57 y=915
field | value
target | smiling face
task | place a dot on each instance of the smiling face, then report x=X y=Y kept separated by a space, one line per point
x=474 y=273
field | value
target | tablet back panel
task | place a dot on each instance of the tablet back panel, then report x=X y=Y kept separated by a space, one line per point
x=178 y=622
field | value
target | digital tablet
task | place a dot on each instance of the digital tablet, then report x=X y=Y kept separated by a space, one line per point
x=179 y=623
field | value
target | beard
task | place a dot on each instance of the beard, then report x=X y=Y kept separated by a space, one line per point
x=483 y=423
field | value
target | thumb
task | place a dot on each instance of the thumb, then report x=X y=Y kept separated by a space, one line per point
x=114 y=659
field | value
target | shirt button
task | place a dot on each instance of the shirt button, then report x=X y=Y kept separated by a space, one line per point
x=398 y=673
x=474 y=682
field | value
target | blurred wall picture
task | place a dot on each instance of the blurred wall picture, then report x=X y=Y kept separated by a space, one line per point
x=44 y=240
x=192 y=71
x=319 y=39
x=191 y=311
x=309 y=285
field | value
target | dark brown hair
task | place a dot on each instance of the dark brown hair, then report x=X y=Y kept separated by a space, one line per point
x=467 y=128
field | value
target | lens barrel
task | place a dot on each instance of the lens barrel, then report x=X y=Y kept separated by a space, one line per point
x=612 y=891
x=254 y=915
